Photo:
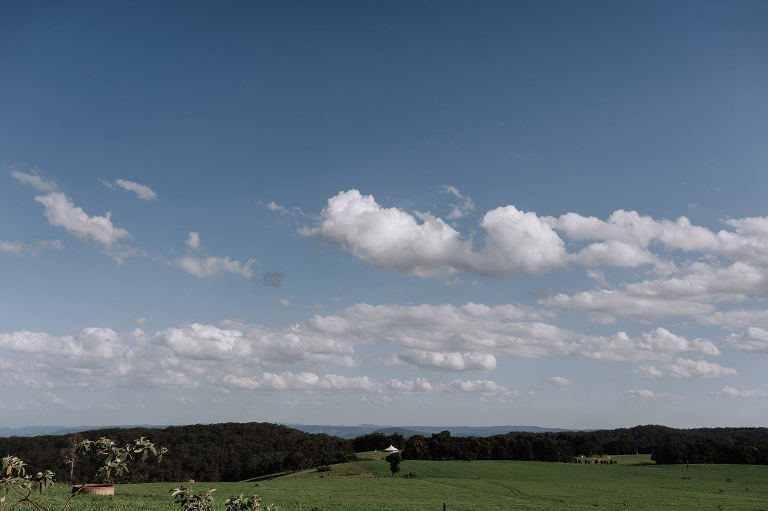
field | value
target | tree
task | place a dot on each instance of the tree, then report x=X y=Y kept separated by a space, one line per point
x=394 y=460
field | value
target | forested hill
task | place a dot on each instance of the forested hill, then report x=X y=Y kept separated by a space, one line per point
x=215 y=452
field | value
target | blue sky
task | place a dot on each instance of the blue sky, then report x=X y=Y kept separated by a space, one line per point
x=545 y=213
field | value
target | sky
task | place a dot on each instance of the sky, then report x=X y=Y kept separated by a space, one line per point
x=412 y=213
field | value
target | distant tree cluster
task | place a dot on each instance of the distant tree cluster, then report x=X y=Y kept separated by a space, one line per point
x=377 y=442
x=668 y=445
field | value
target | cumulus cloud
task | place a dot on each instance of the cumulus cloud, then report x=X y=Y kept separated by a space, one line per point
x=752 y=339
x=205 y=341
x=518 y=242
x=211 y=266
x=608 y=306
x=61 y=212
x=686 y=368
x=34 y=179
x=446 y=328
x=645 y=394
x=659 y=344
x=303 y=381
x=736 y=318
x=648 y=370
x=728 y=391
x=559 y=380
x=90 y=342
x=614 y=253
x=449 y=361
x=424 y=245
x=193 y=241
x=143 y=192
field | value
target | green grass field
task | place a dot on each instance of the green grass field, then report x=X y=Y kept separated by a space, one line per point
x=365 y=485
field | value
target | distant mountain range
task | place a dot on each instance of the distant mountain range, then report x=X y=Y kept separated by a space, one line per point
x=409 y=431
x=339 y=431
x=61 y=430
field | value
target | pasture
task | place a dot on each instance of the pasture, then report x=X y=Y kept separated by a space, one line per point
x=366 y=485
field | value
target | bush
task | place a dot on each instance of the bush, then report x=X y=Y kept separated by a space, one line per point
x=411 y=475
x=323 y=468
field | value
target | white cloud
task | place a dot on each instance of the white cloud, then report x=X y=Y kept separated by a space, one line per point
x=451 y=361
x=193 y=241
x=277 y=208
x=20 y=247
x=607 y=306
x=302 y=381
x=424 y=245
x=410 y=386
x=459 y=210
x=445 y=328
x=659 y=344
x=648 y=370
x=487 y=388
x=35 y=181
x=728 y=391
x=737 y=318
x=644 y=394
x=61 y=212
x=752 y=339
x=686 y=368
x=212 y=266
x=285 y=303
x=614 y=253
x=559 y=380
x=205 y=341
x=94 y=342
x=143 y=192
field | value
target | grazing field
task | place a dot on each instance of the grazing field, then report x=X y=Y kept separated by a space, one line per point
x=365 y=485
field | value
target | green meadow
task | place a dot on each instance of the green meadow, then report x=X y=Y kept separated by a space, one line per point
x=634 y=483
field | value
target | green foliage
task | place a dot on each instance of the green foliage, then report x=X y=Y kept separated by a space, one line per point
x=114 y=459
x=190 y=501
x=394 y=460
x=14 y=478
x=213 y=452
x=114 y=462
x=252 y=503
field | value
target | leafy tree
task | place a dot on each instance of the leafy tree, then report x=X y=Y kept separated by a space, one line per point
x=394 y=460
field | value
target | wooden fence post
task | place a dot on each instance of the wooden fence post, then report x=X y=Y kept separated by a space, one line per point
x=444 y=506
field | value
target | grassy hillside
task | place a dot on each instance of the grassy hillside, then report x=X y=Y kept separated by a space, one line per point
x=365 y=485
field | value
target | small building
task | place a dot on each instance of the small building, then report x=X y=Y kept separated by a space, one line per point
x=391 y=448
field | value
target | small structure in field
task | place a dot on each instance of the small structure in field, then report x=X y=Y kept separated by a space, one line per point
x=391 y=448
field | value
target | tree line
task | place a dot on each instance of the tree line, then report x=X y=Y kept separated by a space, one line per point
x=234 y=451
x=667 y=445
